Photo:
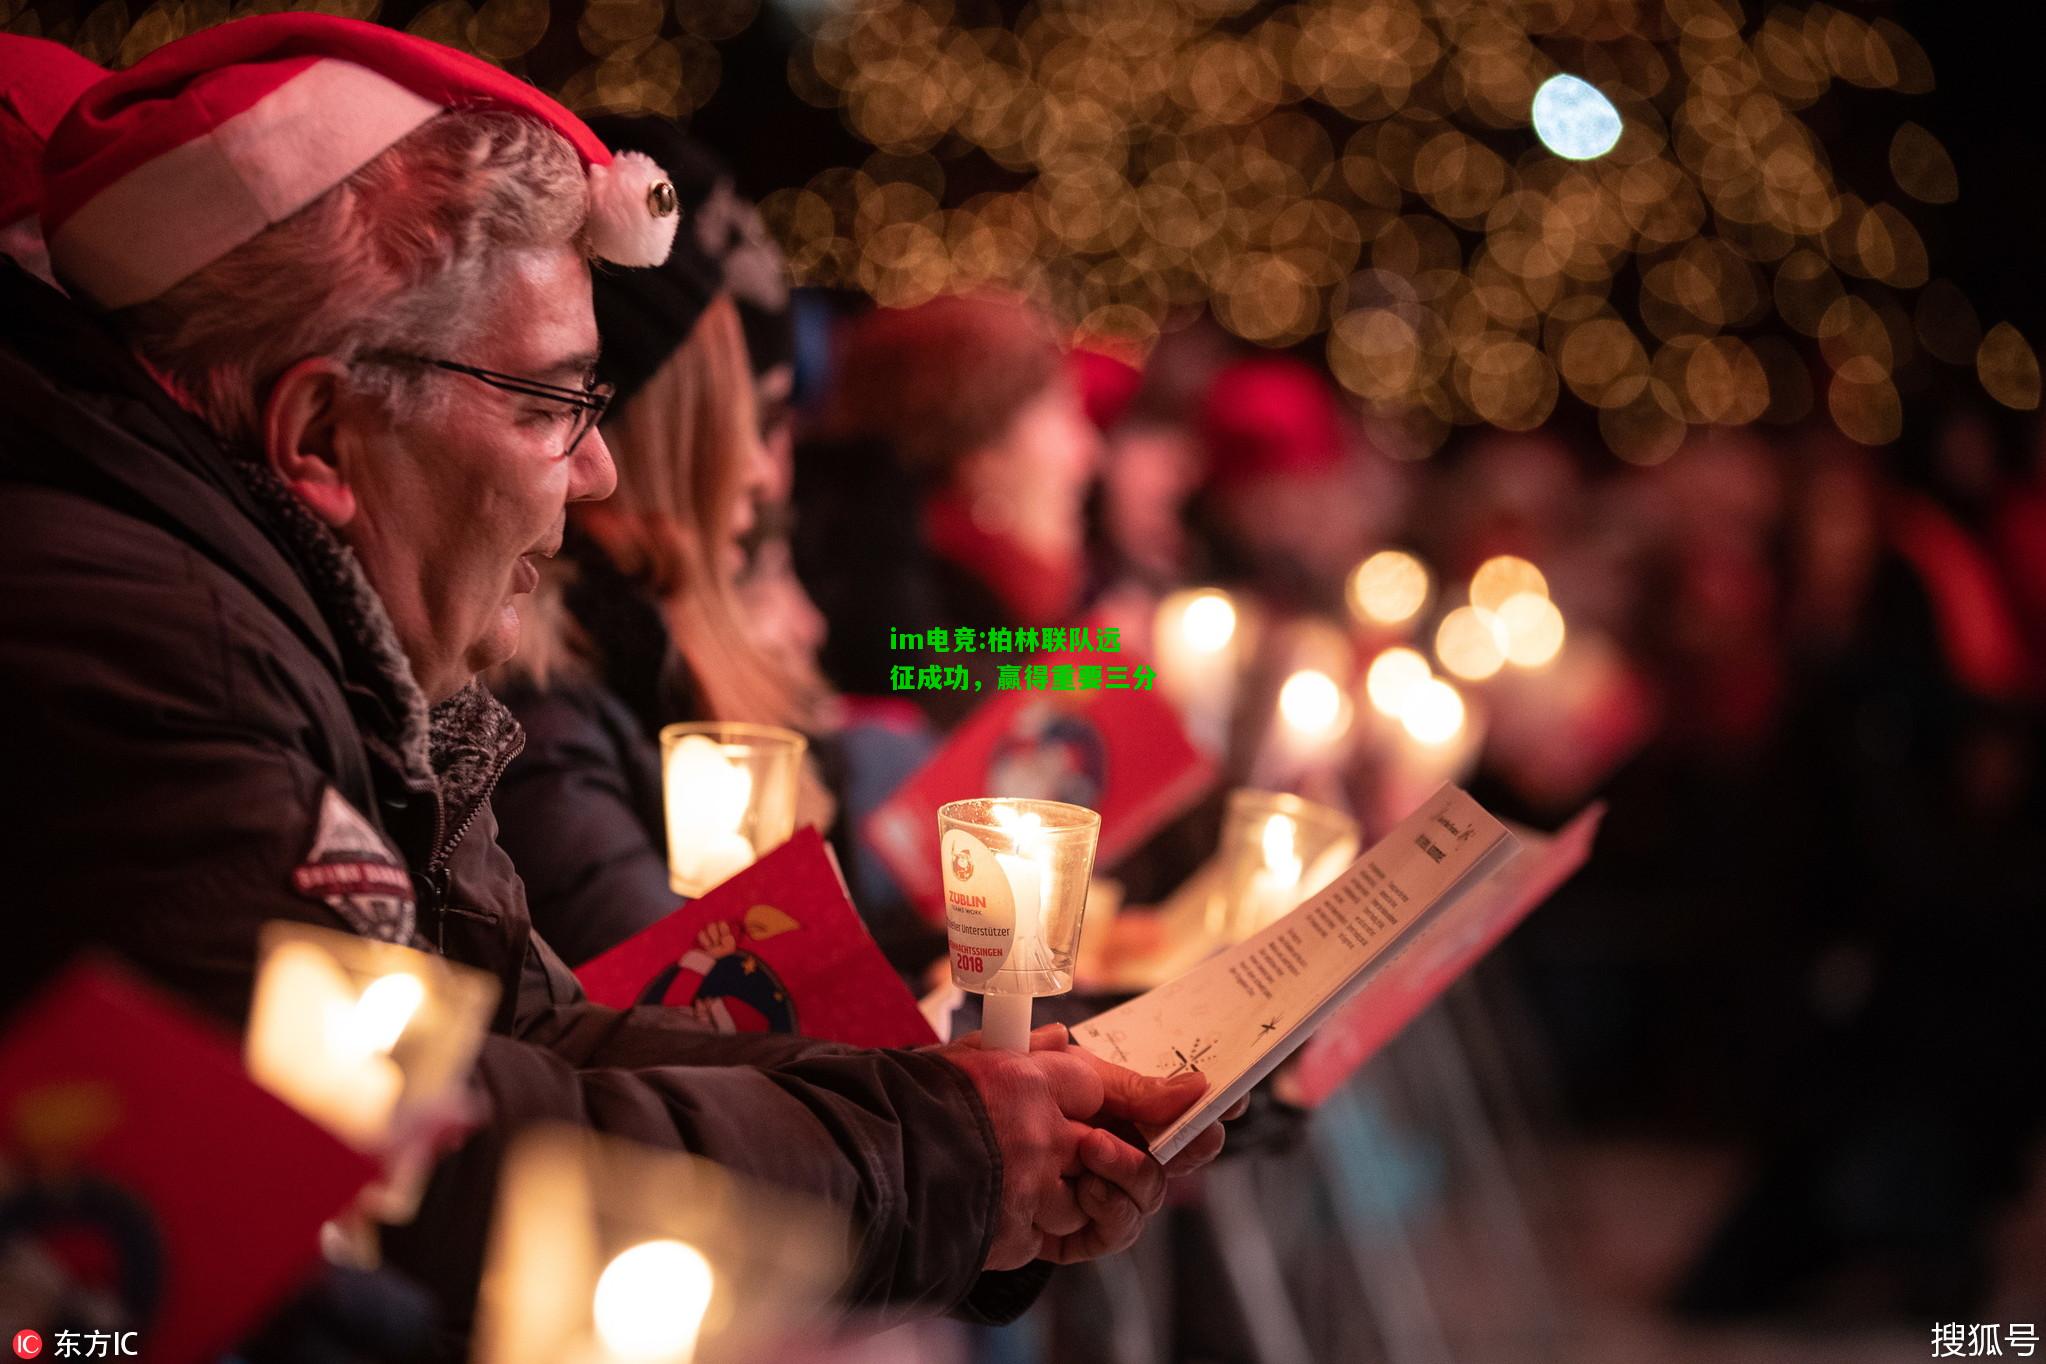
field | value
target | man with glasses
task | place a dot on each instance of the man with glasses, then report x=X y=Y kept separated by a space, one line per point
x=265 y=513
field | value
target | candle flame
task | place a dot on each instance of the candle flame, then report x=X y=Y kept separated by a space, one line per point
x=1503 y=576
x=1389 y=587
x=1312 y=704
x=379 y=1018
x=1281 y=847
x=651 y=1300
x=1026 y=827
x=1209 y=622
x=1436 y=713
x=1393 y=678
x=1472 y=642
x=1533 y=628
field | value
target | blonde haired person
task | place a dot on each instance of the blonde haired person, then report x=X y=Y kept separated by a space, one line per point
x=640 y=623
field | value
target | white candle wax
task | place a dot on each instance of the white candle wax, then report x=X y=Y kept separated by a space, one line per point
x=708 y=796
x=1026 y=884
x=1196 y=644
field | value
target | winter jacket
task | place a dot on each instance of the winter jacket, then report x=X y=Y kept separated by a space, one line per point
x=209 y=725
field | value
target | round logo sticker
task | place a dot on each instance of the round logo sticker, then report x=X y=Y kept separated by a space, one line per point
x=27 y=1344
x=980 y=910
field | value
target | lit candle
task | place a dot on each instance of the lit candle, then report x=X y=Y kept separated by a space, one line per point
x=1389 y=588
x=604 y=1251
x=1195 y=638
x=1434 y=714
x=1027 y=874
x=1533 y=628
x=325 y=1049
x=707 y=799
x=1274 y=888
x=1032 y=964
x=650 y=1302
x=1313 y=710
x=1393 y=678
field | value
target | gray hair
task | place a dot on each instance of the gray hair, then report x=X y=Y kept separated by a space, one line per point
x=405 y=255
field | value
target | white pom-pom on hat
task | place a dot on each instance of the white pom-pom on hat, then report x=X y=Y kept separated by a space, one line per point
x=633 y=211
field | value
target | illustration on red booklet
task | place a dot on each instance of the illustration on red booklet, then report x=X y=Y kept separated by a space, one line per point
x=776 y=948
x=153 y=1200
x=727 y=984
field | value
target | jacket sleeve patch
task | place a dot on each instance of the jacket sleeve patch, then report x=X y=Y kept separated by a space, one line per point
x=354 y=872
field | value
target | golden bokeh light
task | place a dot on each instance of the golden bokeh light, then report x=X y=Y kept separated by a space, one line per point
x=1393 y=679
x=1208 y=621
x=1434 y=715
x=1250 y=161
x=1503 y=576
x=1865 y=404
x=2009 y=368
x=1389 y=588
x=1471 y=643
x=1533 y=629
x=1139 y=165
x=1922 y=167
x=1313 y=707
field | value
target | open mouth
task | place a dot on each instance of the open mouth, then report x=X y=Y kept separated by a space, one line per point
x=526 y=572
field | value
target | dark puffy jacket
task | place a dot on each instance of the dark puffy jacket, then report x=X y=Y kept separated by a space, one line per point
x=196 y=682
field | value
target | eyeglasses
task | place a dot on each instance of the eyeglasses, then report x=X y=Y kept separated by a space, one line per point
x=589 y=402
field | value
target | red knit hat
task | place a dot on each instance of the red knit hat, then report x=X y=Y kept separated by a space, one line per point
x=1107 y=383
x=39 y=80
x=164 y=168
x=1269 y=416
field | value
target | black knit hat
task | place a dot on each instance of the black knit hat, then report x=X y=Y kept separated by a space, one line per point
x=644 y=316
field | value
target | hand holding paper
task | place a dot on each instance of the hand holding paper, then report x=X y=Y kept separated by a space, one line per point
x=1072 y=1191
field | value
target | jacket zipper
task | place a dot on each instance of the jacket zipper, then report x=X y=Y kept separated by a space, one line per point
x=444 y=844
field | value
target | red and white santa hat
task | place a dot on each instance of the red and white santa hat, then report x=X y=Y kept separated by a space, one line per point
x=39 y=80
x=162 y=169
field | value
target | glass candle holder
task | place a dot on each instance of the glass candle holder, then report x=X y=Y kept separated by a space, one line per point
x=606 y=1252
x=371 y=1040
x=1276 y=850
x=1016 y=874
x=730 y=795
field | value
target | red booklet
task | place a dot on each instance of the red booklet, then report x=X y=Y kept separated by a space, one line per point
x=777 y=948
x=1443 y=951
x=1122 y=754
x=141 y=1170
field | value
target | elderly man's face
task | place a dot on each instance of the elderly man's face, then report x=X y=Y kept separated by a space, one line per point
x=455 y=509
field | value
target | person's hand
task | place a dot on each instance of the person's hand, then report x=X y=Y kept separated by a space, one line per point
x=718 y=939
x=1085 y=1191
x=1120 y=1186
x=1154 y=1103
x=1037 y=1103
